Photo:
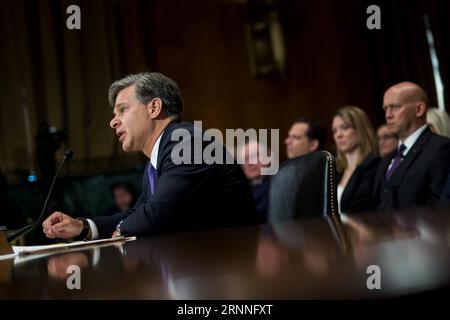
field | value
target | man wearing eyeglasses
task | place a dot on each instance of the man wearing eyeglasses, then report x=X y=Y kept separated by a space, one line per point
x=387 y=141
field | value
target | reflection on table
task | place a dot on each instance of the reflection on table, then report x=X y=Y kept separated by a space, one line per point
x=305 y=259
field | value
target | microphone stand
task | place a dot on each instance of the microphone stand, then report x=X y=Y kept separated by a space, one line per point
x=67 y=155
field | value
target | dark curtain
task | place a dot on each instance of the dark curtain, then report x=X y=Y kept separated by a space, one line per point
x=61 y=76
x=399 y=51
x=439 y=14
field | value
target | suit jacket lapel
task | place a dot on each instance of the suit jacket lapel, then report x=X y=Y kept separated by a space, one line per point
x=165 y=140
x=381 y=172
x=417 y=147
x=355 y=179
x=350 y=187
x=146 y=182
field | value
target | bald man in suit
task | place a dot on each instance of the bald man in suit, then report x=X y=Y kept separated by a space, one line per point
x=414 y=174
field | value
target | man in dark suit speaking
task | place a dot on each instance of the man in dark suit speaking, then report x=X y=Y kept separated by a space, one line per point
x=414 y=174
x=176 y=196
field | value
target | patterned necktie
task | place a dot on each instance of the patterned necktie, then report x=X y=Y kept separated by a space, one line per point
x=397 y=160
x=151 y=175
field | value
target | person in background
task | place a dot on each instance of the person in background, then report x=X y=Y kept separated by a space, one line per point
x=356 y=161
x=305 y=136
x=415 y=174
x=387 y=141
x=259 y=183
x=48 y=141
x=124 y=197
x=439 y=122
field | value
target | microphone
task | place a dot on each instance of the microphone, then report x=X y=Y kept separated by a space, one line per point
x=20 y=233
x=67 y=155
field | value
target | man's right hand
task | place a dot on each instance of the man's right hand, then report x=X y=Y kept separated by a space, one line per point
x=60 y=225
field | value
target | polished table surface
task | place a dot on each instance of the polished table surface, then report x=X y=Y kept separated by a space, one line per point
x=323 y=258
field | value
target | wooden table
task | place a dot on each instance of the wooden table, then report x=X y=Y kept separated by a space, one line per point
x=305 y=259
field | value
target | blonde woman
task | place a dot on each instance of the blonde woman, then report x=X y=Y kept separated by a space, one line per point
x=356 y=161
x=439 y=121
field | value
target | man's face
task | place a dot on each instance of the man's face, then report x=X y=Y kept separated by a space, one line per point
x=400 y=115
x=250 y=155
x=387 y=141
x=132 y=121
x=297 y=142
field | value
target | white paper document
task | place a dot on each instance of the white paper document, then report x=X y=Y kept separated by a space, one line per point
x=22 y=251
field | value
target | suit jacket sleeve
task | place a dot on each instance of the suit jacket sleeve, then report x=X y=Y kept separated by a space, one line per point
x=175 y=184
x=106 y=225
x=174 y=187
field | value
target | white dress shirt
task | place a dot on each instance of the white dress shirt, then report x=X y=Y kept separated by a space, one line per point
x=409 y=142
x=340 y=191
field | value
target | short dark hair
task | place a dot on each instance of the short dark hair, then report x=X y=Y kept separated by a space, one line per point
x=315 y=131
x=150 y=85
